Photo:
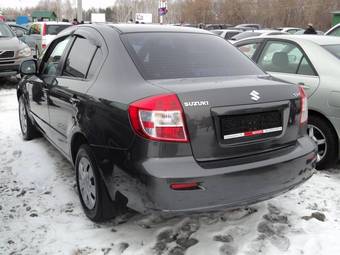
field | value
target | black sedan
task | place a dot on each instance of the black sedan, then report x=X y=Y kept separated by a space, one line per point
x=164 y=118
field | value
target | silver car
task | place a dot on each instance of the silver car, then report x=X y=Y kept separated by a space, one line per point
x=12 y=51
x=314 y=62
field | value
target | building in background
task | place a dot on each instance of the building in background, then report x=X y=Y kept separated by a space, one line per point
x=336 y=17
x=44 y=16
x=144 y=17
x=98 y=18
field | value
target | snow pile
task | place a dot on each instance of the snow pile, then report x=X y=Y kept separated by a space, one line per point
x=40 y=212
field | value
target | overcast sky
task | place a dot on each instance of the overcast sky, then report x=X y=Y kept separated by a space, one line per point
x=30 y=3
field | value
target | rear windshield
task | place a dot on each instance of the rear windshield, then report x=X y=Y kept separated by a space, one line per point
x=334 y=49
x=55 y=29
x=185 y=55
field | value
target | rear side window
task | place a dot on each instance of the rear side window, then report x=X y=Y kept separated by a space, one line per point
x=97 y=59
x=79 y=59
x=249 y=49
x=334 y=49
x=55 y=29
x=185 y=55
x=284 y=57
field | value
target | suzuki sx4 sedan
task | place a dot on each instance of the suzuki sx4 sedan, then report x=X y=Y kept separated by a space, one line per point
x=162 y=118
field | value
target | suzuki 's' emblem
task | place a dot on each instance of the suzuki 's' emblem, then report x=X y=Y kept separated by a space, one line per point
x=255 y=95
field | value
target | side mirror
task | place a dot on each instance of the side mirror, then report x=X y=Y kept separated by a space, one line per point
x=19 y=33
x=28 y=67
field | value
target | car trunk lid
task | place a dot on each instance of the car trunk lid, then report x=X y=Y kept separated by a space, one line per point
x=236 y=116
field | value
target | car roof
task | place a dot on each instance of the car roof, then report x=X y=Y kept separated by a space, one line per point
x=228 y=30
x=317 y=39
x=52 y=23
x=289 y=28
x=266 y=30
x=138 y=28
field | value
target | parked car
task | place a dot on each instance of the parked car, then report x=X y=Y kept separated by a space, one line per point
x=12 y=51
x=255 y=33
x=199 y=132
x=290 y=30
x=252 y=26
x=226 y=33
x=334 y=31
x=41 y=34
x=19 y=31
x=216 y=26
x=301 y=32
x=312 y=61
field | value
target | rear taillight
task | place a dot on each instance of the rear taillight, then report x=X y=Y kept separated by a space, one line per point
x=44 y=46
x=44 y=29
x=159 y=118
x=304 y=106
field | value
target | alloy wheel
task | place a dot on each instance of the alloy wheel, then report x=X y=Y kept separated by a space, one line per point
x=320 y=139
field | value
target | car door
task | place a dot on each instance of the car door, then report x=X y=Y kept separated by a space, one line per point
x=68 y=96
x=38 y=85
x=287 y=61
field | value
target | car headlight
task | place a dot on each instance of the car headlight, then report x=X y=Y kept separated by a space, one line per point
x=24 y=52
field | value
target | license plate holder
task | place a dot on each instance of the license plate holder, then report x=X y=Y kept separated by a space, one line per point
x=251 y=125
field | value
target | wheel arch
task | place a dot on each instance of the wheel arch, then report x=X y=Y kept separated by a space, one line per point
x=77 y=140
x=322 y=116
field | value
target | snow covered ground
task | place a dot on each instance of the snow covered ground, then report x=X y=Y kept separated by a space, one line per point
x=40 y=212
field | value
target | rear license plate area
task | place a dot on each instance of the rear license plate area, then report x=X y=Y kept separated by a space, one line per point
x=251 y=126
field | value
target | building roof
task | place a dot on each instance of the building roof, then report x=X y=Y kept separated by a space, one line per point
x=43 y=14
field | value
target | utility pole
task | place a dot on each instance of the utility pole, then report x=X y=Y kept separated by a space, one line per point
x=79 y=10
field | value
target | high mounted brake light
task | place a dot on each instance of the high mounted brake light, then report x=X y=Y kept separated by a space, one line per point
x=159 y=118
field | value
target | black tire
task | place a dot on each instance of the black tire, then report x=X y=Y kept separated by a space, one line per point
x=331 y=156
x=103 y=208
x=28 y=130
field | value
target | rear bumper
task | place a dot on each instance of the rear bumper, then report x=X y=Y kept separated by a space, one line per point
x=224 y=187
